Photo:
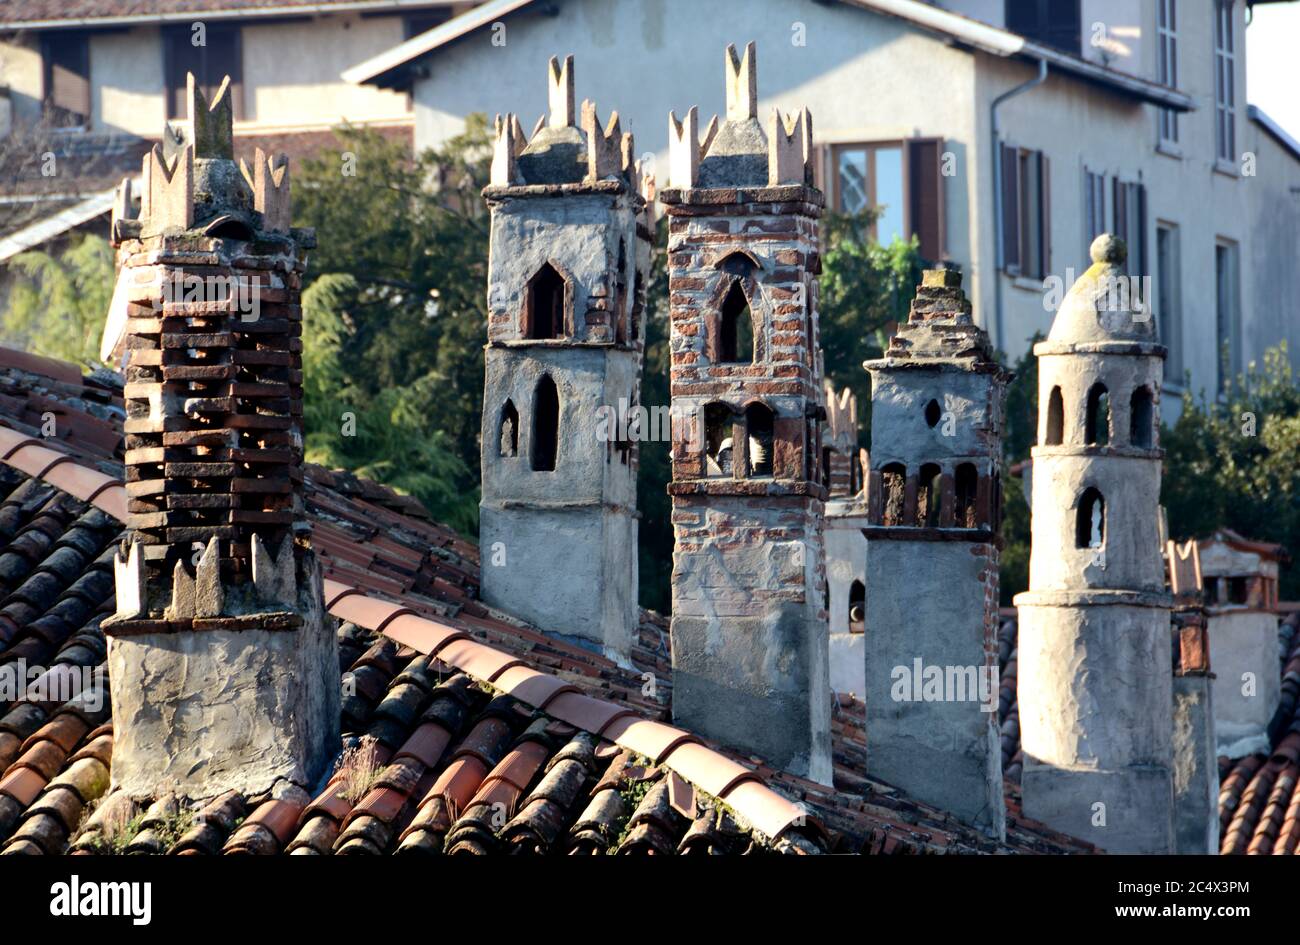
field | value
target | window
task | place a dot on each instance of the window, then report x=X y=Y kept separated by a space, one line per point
x=965 y=491
x=929 y=498
x=620 y=295
x=736 y=328
x=1225 y=93
x=1026 y=212
x=1169 y=316
x=893 y=480
x=1131 y=225
x=1094 y=205
x=219 y=56
x=66 y=59
x=1054 y=22
x=903 y=181
x=1090 y=520
x=1055 y=434
x=1141 y=418
x=933 y=413
x=759 y=423
x=508 y=432
x=1227 y=311
x=544 y=305
x=546 y=425
x=1167 y=63
x=1097 y=417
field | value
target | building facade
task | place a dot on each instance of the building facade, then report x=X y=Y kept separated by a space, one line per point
x=1140 y=126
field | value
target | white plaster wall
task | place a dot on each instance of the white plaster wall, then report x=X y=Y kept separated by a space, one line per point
x=126 y=77
x=864 y=77
x=20 y=70
x=291 y=72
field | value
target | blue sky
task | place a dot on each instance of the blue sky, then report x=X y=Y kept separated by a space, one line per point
x=1272 y=74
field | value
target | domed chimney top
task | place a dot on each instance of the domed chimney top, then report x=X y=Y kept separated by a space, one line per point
x=1105 y=303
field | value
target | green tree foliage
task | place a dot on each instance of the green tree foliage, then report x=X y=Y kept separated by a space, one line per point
x=395 y=313
x=1235 y=462
x=59 y=301
x=865 y=289
x=655 y=537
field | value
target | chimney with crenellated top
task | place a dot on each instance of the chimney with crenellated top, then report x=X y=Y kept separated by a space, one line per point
x=223 y=660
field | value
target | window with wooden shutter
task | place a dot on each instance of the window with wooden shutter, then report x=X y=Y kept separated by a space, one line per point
x=220 y=55
x=66 y=58
x=923 y=184
x=1011 y=208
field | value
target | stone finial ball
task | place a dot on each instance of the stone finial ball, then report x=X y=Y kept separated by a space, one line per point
x=1108 y=248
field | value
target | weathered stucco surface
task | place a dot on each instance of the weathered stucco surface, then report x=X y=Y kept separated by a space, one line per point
x=205 y=712
x=1196 y=768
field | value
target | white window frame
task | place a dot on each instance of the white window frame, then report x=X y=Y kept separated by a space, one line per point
x=1167 y=64
x=1225 y=82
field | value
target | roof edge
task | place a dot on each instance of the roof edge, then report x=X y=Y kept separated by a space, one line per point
x=302 y=9
x=1276 y=131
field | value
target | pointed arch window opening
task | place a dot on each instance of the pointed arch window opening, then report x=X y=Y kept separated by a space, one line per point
x=1097 y=416
x=1090 y=520
x=1142 y=418
x=736 y=327
x=965 y=493
x=893 y=483
x=1055 y=434
x=546 y=425
x=759 y=427
x=929 y=497
x=508 y=430
x=857 y=607
x=544 y=305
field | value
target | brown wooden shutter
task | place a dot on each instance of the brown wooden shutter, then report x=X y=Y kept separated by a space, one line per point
x=1142 y=230
x=923 y=197
x=1121 y=210
x=221 y=57
x=1010 y=208
x=67 y=76
x=1044 y=214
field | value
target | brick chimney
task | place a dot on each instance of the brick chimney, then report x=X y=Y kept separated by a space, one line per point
x=932 y=559
x=570 y=259
x=223 y=660
x=749 y=627
x=1196 y=763
x=1095 y=687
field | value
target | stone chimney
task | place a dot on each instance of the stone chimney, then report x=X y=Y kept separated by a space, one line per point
x=932 y=559
x=846 y=549
x=749 y=627
x=1095 y=687
x=1196 y=764
x=1240 y=578
x=570 y=259
x=223 y=660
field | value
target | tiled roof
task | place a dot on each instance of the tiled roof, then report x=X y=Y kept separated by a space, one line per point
x=19 y=12
x=466 y=730
x=1259 y=794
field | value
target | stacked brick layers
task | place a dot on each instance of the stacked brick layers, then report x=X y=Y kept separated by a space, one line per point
x=749 y=626
x=213 y=399
x=220 y=618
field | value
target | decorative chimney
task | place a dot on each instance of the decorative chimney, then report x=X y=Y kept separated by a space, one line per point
x=223 y=660
x=1095 y=689
x=846 y=549
x=570 y=256
x=1240 y=578
x=932 y=557
x=749 y=638
x=1196 y=763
